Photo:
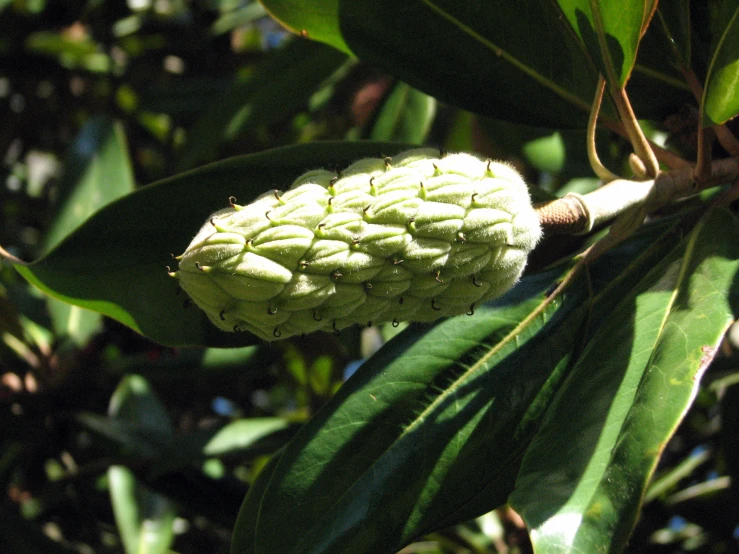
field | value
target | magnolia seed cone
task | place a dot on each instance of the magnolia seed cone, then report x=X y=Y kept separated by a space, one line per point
x=412 y=238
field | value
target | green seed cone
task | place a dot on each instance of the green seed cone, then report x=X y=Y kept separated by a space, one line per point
x=414 y=238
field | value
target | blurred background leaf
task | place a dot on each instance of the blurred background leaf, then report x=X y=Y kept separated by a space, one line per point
x=97 y=172
x=144 y=518
x=317 y=19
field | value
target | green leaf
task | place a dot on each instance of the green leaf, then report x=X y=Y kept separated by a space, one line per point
x=674 y=21
x=402 y=442
x=244 y=529
x=282 y=84
x=720 y=100
x=237 y=437
x=406 y=116
x=71 y=54
x=585 y=473
x=318 y=18
x=664 y=53
x=97 y=171
x=242 y=15
x=431 y=430
x=144 y=518
x=478 y=56
x=613 y=28
x=126 y=437
x=123 y=250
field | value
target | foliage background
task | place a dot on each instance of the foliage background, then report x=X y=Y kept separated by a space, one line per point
x=112 y=442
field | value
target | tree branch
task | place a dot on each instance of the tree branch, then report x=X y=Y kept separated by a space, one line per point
x=577 y=213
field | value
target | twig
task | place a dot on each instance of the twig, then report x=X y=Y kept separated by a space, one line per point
x=577 y=213
x=705 y=145
x=639 y=142
x=598 y=168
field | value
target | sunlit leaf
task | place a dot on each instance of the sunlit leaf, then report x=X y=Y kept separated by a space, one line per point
x=721 y=96
x=431 y=430
x=144 y=518
x=611 y=28
x=602 y=437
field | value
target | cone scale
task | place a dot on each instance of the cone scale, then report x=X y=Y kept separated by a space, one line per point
x=412 y=238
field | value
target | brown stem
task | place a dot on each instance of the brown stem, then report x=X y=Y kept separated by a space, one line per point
x=639 y=142
x=670 y=159
x=598 y=168
x=727 y=140
x=9 y=257
x=705 y=145
x=572 y=215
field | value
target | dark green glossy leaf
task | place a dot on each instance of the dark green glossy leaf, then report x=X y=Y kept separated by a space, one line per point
x=721 y=96
x=431 y=430
x=144 y=518
x=97 y=171
x=280 y=85
x=613 y=29
x=602 y=437
x=394 y=446
x=124 y=248
x=318 y=18
x=673 y=19
x=657 y=87
x=406 y=116
x=482 y=57
x=244 y=529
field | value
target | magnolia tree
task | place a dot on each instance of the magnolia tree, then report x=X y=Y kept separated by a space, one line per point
x=548 y=337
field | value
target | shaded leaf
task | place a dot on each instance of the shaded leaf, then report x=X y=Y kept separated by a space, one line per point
x=282 y=84
x=144 y=518
x=318 y=18
x=478 y=56
x=236 y=437
x=245 y=526
x=721 y=95
x=674 y=21
x=664 y=50
x=127 y=437
x=124 y=248
x=601 y=439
